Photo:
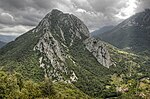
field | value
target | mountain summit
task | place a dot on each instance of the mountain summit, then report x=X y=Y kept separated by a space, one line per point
x=66 y=22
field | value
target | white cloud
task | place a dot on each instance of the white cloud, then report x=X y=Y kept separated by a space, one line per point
x=15 y=30
x=6 y=18
x=129 y=10
x=7 y=15
x=81 y=10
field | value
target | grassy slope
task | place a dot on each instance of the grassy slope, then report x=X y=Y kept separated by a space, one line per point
x=19 y=56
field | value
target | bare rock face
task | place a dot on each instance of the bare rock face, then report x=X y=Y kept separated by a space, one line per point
x=53 y=59
x=99 y=51
x=60 y=31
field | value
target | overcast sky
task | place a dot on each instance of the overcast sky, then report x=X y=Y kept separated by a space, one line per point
x=18 y=16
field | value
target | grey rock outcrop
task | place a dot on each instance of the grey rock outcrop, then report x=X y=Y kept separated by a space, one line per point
x=99 y=51
x=53 y=59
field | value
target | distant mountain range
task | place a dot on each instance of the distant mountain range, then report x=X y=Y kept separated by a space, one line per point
x=133 y=34
x=2 y=44
x=4 y=39
x=7 y=38
x=102 y=30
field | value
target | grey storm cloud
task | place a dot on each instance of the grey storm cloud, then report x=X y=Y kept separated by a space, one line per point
x=26 y=14
x=143 y=4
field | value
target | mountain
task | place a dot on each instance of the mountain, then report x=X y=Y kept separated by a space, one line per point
x=7 y=38
x=2 y=44
x=132 y=34
x=61 y=49
x=102 y=30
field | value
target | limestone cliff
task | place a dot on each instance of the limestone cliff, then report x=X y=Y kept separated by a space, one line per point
x=99 y=51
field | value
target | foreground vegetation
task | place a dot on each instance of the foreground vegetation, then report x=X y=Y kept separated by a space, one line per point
x=13 y=86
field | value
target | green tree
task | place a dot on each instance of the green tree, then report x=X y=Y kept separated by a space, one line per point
x=47 y=88
x=31 y=89
x=19 y=80
x=8 y=86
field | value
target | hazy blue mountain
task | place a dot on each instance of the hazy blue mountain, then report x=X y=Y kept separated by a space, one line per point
x=102 y=30
x=2 y=44
x=7 y=38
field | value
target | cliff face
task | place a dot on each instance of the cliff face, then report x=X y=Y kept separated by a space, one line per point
x=99 y=51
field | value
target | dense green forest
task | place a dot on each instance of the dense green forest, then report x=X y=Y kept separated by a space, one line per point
x=13 y=86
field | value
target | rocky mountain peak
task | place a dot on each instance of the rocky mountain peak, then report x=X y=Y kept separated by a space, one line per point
x=141 y=20
x=65 y=23
x=60 y=33
x=56 y=11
